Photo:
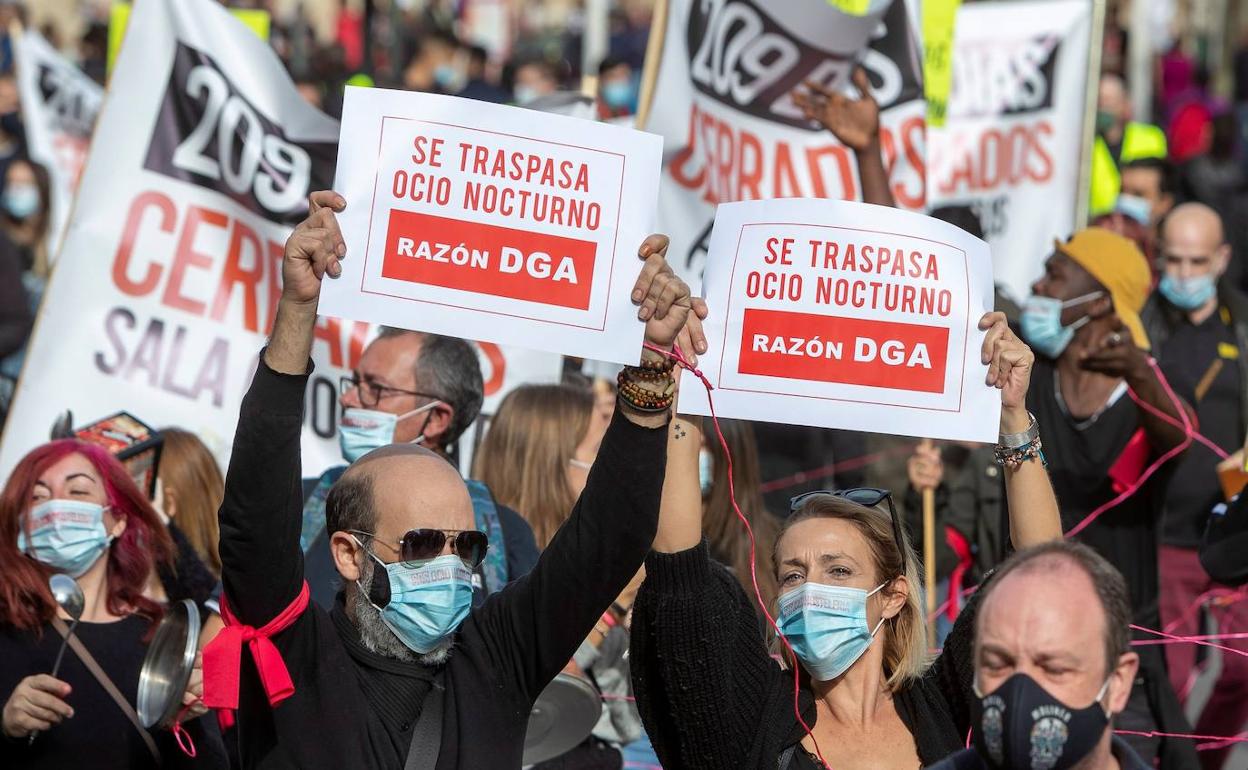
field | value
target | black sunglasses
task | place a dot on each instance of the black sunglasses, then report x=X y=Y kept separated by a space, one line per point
x=868 y=497
x=418 y=545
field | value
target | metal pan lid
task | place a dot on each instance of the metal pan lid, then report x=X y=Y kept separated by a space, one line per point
x=563 y=716
x=167 y=666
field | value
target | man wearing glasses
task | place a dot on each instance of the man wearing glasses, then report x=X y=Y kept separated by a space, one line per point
x=413 y=388
x=401 y=673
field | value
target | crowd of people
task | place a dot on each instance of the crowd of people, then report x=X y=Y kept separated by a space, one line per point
x=407 y=609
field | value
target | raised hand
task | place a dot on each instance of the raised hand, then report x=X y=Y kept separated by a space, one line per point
x=313 y=249
x=1009 y=363
x=665 y=301
x=855 y=122
x=1116 y=355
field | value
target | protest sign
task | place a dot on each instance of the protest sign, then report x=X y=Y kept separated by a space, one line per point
x=845 y=315
x=1010 y=148
x=723 y=104
x=59 y=105
x=492 y=223
x=257 y=20
x=203 y=157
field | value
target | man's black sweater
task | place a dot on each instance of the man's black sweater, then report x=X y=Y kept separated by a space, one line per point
x=712 y=697
x=354 y=708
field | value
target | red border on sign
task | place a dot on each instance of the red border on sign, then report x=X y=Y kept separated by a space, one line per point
x=728 y=314
x=614 y=244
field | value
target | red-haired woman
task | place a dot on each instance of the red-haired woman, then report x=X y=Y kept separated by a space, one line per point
x=70 y=507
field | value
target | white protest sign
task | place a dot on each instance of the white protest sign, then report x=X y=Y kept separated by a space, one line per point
x=59 y=105
x=846 y=315
x=1010 y=147
x=201 y=162
x=492 y=223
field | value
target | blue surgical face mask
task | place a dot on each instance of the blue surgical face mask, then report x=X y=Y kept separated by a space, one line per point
x=446 y=76
x=1135 y=207
x=827 y=627
x=1188 y=293
x=67 y=535
x=706 y=471
x=618 y=94
x=363 y=430
x=526 y=95
x=427 y=602
x=21 y=200
x=1042 y=323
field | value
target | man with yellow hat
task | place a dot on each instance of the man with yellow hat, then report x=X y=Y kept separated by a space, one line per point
x=1083 y=322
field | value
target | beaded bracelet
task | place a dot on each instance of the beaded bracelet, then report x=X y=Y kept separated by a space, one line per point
x=642 y=399
x=1013 y=457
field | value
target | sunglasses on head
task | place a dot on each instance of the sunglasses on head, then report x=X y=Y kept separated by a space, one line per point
x=421 y=545
x=868 y=497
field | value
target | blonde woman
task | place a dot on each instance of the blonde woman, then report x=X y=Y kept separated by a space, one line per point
x=536 y=456
x=709 y=692
x=191 y=492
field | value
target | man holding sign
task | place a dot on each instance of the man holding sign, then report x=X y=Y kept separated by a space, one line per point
x=400 y=673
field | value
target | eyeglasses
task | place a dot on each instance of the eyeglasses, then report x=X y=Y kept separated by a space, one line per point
x=868 y=497
x=371 y=392
x=421 y=545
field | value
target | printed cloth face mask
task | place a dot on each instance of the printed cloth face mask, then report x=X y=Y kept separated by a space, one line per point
x=363 y=430
x=1188 y=293
x=1020 y=726
x=427 y=602
x=827 y=627
x=1042 y=322
x=67 y=535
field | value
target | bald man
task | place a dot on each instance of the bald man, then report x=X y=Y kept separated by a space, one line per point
x=1198 y=324
x=402 y=672
x=1053 y=665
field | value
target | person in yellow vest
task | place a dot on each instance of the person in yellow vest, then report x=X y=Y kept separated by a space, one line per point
x=1119 y=140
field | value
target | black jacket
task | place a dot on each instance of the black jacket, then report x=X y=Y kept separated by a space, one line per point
x=354 y=708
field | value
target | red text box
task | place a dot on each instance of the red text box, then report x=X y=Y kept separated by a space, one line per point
x=853 y=351
x=536 y=267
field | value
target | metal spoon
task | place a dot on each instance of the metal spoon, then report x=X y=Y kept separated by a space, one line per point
x=68 y=595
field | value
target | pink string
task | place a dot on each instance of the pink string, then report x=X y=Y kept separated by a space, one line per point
x=1228 y=596
x=1200 y=437
x=1192 y=640
x=1222 y=744
x=1198 y=638
x=676 y=355
x=1241 y=738
x=1160 y=461
x=824 y=471
x=185 y=743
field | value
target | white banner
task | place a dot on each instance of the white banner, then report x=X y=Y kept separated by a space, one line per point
x=1011 y=147
x=731 y=130
x=202 y=160
x=843 y=315
x=59 y=105
x=493 y=223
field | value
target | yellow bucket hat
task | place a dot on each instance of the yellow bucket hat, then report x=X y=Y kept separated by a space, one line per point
x=1118 y=265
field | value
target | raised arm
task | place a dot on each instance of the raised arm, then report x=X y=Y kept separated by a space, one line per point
x=701 y=671
x=1034 y=516
x=261 y=515
x=856 y=124
x=536 y=624
x=1119 y=356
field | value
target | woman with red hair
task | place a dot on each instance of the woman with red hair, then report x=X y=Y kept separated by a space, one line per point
x=70 y=507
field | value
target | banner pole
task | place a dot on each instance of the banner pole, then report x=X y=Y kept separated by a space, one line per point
x=1096 y=37
x=654 y=57
x=929 y=555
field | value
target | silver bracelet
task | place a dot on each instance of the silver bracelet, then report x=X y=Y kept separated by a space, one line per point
x=1018 y=440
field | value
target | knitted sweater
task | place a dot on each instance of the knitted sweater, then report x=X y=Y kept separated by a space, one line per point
x=712 y=697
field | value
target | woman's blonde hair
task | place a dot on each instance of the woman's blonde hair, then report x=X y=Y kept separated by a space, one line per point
x=192 y=481
x=904 y=635
x=525 y=454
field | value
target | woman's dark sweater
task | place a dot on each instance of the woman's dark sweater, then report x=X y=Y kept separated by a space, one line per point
x=712 y=697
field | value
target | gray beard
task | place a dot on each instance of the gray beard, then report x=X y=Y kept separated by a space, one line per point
x=375 y=635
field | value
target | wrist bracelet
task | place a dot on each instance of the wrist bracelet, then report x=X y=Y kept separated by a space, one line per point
x=1017 y=440
x=1013 y=457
